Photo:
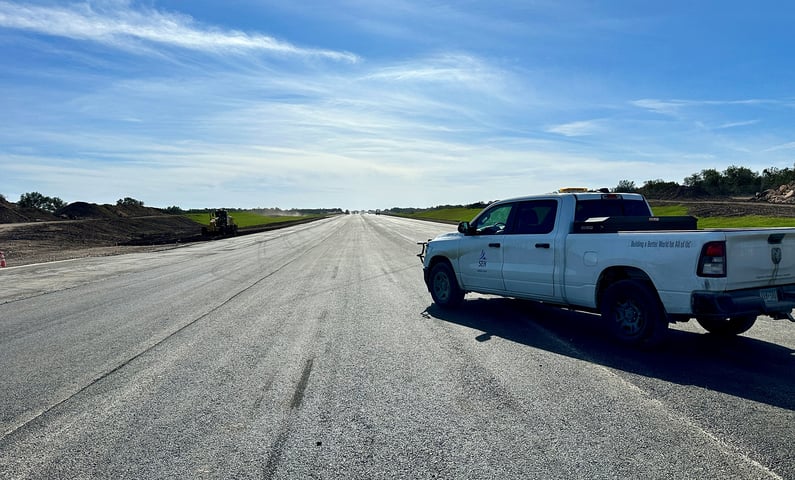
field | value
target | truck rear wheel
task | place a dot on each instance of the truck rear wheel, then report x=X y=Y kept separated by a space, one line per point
x=444 y=287
x=727 y=326
x=634 y=313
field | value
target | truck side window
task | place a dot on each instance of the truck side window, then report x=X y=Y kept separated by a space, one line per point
x=535 y=217
x=493 y=221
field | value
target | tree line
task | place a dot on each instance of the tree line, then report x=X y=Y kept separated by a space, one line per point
x=38 y=201
x=410 y=210
x=710 y=182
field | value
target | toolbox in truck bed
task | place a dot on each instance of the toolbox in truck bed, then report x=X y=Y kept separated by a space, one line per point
x=634 y=224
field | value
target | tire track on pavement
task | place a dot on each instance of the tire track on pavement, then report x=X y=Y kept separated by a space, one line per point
x=277 y=449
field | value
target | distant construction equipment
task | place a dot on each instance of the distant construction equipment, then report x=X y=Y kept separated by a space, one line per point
x=221 y=223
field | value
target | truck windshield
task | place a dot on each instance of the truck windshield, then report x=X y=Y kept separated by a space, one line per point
x=614 y=207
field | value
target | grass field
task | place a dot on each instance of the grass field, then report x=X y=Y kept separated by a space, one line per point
x=447 y=214
x=745 y=222
x=726 y=222
x=464 y=214
x=248 y=219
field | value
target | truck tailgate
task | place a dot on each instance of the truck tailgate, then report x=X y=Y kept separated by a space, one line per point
x=758 y=258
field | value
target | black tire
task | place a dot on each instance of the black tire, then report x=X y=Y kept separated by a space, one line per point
x=634 y=313
x=727 y=327
x=444 y=287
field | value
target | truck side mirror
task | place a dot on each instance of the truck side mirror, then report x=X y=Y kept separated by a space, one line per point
x=463 y=227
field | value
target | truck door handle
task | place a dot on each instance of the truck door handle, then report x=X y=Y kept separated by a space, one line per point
x=494 y=245
x=542 y=245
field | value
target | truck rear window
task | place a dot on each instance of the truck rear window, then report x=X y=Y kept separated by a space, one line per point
x=614 y=207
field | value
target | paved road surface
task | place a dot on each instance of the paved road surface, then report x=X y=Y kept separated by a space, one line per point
x=315 y=352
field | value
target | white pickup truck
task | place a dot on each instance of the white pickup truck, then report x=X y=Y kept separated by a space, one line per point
x=605 y=252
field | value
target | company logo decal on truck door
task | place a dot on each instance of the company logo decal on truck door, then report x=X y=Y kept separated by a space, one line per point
x=482 y=261
x=775 y=255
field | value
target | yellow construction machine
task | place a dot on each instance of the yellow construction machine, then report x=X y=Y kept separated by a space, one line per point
x=221 y=223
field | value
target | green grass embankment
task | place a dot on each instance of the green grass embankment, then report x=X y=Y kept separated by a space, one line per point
x=451 y=215
x=245 y=219
x=750 y=221
x=455 y=215
x=744 y=221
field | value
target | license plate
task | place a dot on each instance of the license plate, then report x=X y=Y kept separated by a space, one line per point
x=769 y=295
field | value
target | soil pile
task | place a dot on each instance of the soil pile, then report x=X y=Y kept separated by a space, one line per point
x=674 y=192
x=83 y=229
x=785 y=194
x=11 y=213
x=735 y=208
x=83 y=210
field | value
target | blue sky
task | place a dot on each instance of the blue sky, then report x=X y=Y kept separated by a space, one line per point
x=375 y=104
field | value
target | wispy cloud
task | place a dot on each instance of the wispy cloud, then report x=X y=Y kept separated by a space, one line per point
x=578 y=129
x=117 y=24
x=783 y=146
x=738 y=124
x=673 y=107
x=454 y=70
x=665 y=107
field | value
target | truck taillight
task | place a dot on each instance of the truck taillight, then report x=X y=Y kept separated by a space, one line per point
x=712 y=262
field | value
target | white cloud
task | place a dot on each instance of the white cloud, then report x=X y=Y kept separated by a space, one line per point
x=783 y=146
x=578 y=129
x=454 y=71
x=664 y=107
x=118 y=25
x=673 y=107
x=738 y=124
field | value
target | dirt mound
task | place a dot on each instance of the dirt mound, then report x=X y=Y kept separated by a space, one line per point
x=11 y=213
x=134 y=210
x=785 y=194
x=106 y=231
x=83 y=210
x=674 y=192
x=737 y=208
x=84 y=229
x=34 y=242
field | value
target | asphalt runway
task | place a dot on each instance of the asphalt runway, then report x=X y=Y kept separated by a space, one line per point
x=315 y=352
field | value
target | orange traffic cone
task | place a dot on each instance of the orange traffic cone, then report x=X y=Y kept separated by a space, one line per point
x=2 y=260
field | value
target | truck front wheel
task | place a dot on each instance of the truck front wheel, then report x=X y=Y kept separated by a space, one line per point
x=444 y=287
x=727 y=326
x=634 y=313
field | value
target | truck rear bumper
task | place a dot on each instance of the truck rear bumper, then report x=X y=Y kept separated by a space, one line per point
x=777 y=302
